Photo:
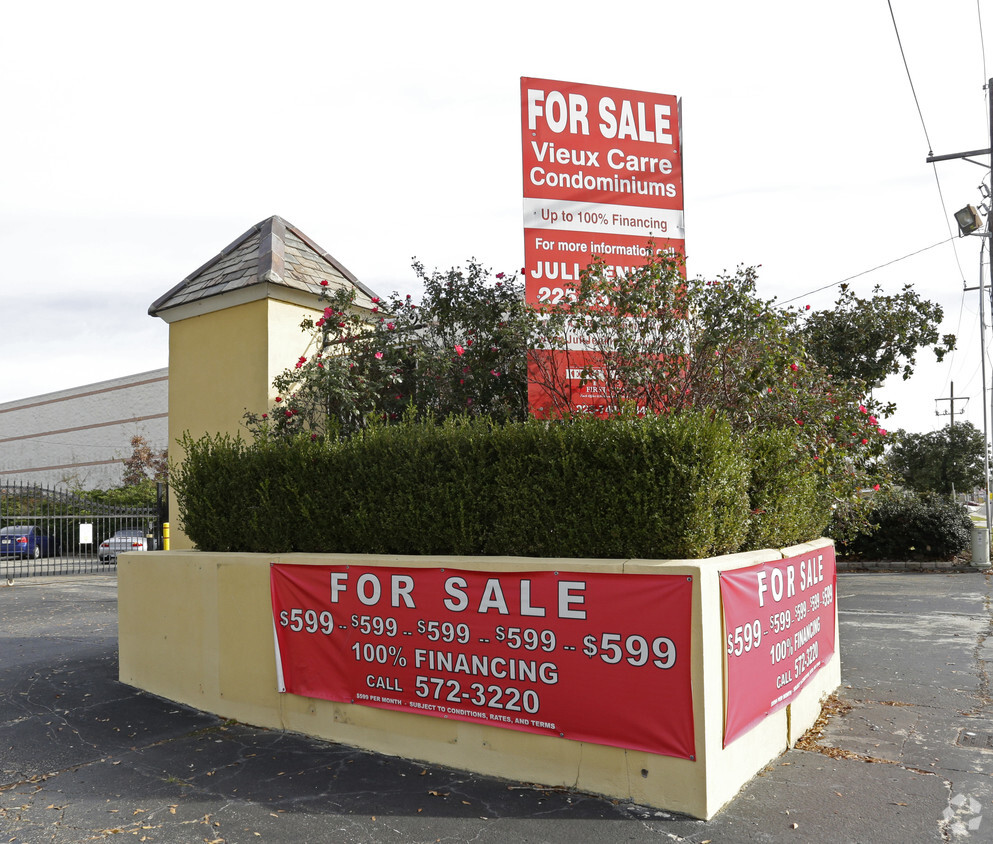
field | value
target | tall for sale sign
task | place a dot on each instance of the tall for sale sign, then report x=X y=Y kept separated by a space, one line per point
x=602 y=177
x=779 y=629
x=595 y=657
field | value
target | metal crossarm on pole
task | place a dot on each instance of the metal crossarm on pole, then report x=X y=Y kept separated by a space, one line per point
x=953 y=397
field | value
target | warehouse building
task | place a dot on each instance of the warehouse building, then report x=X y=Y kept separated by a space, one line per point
x=78 y=438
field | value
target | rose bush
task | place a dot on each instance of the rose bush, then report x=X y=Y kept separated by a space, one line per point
x=461 y=350
x=665 y=344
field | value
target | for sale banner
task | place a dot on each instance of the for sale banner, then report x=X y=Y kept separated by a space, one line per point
x=779 y=629
x=602 y=177
x=603 y=658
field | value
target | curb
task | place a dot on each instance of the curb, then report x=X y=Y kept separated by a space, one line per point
x=915 y=566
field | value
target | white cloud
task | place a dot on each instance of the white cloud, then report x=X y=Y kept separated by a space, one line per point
x=141 y=140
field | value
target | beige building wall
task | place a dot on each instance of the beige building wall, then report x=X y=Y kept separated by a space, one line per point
x=79 y=438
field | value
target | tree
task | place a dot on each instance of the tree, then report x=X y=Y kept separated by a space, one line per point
x=664 y=344
x=660 y=342
x=144 y=463
x=650 y=341
x=472 y=334
x=143 y=469
x=938 y=460
x=873 y=338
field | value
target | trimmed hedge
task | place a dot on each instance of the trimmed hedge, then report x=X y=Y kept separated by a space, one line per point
x=787 y=494
x=666 y=487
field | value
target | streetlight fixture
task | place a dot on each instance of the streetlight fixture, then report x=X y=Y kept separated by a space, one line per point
x=968 y=220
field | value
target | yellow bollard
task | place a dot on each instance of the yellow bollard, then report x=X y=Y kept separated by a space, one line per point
x=165 y=536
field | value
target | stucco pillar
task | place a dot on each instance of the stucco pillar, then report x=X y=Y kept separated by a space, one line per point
x=234 y=325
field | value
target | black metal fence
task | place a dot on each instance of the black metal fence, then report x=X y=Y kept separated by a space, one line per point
x=47 y=531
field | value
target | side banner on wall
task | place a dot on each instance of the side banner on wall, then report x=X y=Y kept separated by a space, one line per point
x=779 y=629
x=603 y=175
x=603 y=658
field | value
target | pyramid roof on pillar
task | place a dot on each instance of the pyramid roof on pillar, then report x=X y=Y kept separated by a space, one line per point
x=272 y=253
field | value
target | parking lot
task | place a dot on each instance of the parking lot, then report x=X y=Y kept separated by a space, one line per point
x=903 y=754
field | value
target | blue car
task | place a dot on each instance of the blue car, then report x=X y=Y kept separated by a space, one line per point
x=25 y=541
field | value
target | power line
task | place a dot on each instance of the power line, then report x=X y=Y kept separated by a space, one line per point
x=974 y=312
x=982 y=45
x=920 y=114
x=972 y=378
x=958 y=333
x=866 y=272
x=906 y=67
x=944 y=209
x=986 y=107
x=937 y=181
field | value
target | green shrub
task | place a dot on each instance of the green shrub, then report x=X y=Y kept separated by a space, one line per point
x=142 y=494
x=416 y=488
x=663 y=487
x=908 y=525
x=788 y=498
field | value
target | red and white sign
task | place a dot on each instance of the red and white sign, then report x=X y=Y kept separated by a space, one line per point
x=603 y=658
x=779 y=629
x=603 y=175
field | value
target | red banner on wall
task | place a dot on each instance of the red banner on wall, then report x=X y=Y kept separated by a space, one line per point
x=779 y=629
x=603 y=175
x=603 y=658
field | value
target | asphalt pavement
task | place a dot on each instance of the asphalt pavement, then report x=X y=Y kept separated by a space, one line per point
x=905 y=753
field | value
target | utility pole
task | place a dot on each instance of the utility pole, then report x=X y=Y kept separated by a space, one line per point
x=988 y=235
x=951 y=433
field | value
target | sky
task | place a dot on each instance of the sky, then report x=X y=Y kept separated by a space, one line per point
x=141 y=139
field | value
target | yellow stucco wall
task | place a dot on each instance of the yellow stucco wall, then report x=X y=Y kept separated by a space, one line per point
x=222 y=364
x=197 y=628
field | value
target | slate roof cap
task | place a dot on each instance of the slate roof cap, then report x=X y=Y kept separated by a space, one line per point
x=270 y=252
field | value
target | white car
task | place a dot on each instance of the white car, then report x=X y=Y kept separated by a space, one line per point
x=128 y=539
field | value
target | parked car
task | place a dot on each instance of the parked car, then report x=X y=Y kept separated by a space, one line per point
x=25 y=541
x=126 y=539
